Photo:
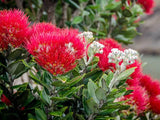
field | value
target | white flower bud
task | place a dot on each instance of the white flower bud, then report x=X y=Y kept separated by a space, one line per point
x=87 y=35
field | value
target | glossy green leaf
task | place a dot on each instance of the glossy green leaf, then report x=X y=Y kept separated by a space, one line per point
x=91 y=90
x=92 y=105
x=45 y=97
x=126 y=73
x=31 y=117
x=100 y=94
x=72 y=91
x=61 y=99
x=109 y=77
x=40 y=115
x=16 y=54
x=58 y=113
x=77 y=20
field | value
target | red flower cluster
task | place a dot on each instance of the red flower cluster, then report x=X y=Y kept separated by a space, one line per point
x=155 y=103
x=5 y=100
x=138 y=99
x=152 y=87
x=13 y=28
x=147 y=5
x=145 y=90
x=103 y=58
x=55 y=49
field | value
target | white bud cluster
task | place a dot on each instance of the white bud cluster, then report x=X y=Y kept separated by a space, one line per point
x=96 y=47
x=87 y=35
x=128 y=56
x=115 y=56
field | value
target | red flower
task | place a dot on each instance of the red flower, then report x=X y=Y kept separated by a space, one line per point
x=133 y=82
x=138 y=71
x=44 y=27
x=155 y=103
x=13 y=28
x=56 y=50
x=5 y=100
x=152 y=86
x=138 y=99
x=103 y=58
x=147 y=5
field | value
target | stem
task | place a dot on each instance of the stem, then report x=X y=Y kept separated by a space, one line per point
x=91 y=117
x=113 y=80
x=110 y=27
x=11 y=83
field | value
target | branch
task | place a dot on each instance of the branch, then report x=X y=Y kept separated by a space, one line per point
x=78 y=11
x=49 y=7
x=19 y=4
x=64 y=14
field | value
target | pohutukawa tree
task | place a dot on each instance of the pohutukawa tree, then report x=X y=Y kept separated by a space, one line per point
x=80 y=72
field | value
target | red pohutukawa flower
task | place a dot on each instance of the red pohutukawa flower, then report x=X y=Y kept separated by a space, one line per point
x=5 y=100
x=138 y=71
x=13 y=28
x=152 y=86
x=133 y=82
x=44 y=27
x=147 y=5
x=155 y=103
x=103 y=58
x=56 y=49
x=138 y=99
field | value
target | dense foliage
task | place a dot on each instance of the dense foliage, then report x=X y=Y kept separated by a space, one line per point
x=74 y=75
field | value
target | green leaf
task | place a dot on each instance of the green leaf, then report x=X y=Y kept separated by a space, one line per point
x=107 y=111
x=113 y=6
x=16 y=54
x=16 y=67
x=116 y=105
x=40 y=115
x=126 y=73
x=69 y=116
x=70 y=83
x=109 y=77
x=71 y=2
x=75 y=80
x=92 y=89
x=80 y=117
x=85 y=13
x=127 y=13
x=59 y=84
x=61 y=99
x=24 y=85
x=45 y=97
x=97 y=31
x=72 y=91
x=77 y=20
x=26 y=64
x=100 y=94
x=102 y=82
x=29 y=99
x=33 y=77
x=92 y=105
x=128 y=92
x=58 y=113
x=94 y=75
x=31 y=117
